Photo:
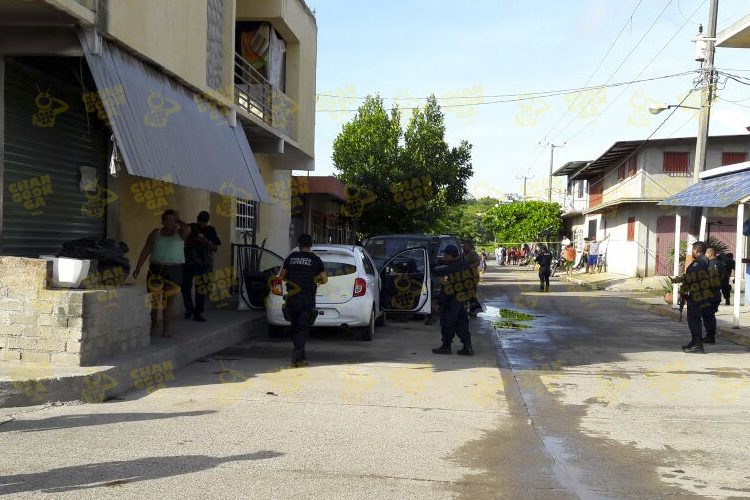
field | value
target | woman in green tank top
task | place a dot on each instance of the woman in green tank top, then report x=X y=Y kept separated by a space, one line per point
x=165 y=249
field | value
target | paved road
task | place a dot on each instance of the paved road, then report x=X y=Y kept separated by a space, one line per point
x=593 y=400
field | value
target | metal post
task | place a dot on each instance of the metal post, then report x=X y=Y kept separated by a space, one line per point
x=676 y=265
x=739 y=253
x=551 y=161
x=704 y=221
x=706 y=93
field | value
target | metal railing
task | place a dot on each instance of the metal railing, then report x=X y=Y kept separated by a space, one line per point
x=256 y=95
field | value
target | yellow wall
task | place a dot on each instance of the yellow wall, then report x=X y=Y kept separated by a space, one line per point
x=297 y=26
x=275 y=217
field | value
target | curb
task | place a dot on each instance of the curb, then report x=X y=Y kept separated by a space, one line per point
x=738 y=336
x=148 y=369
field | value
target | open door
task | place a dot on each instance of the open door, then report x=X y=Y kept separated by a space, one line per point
x=405 y=279
x=255 y=268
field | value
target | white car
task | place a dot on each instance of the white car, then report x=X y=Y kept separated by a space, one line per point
x=356 y=295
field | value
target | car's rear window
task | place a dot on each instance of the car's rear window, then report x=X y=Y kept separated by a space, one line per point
x=338 y=265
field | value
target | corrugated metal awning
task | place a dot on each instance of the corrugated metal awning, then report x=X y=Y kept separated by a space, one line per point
x=166 y=131
x=718 y=192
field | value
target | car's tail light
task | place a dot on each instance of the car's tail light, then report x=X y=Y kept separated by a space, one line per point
x=360 y=287
x=277 y=286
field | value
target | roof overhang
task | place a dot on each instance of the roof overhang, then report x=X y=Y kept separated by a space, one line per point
x=616 y=154
x=717 y=191
x=570 y=168
x=736 y=35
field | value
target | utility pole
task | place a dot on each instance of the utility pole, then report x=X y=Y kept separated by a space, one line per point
x=551 y=160
x=708 y=75
x=524 y=177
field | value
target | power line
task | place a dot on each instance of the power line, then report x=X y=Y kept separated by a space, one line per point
x=528 y=97
x=622 y=63
x=611 y=103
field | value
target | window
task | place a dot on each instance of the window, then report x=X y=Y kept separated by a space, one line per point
x=369 y=268
x=627 y=168
x=621 y=173
x=729 y=158
x=592 y=229
x=676 y=163
x=631 y=228
x=580 y=189
x=247 y=217
x=632 y=165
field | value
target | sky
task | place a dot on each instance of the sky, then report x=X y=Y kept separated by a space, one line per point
x=466 y=52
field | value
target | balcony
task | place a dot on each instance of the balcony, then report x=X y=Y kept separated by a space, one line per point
x=255 y=95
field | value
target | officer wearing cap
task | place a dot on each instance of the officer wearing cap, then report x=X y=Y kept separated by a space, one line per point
x=459 y=285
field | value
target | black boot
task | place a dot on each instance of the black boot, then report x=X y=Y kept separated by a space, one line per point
x=689 y=345
x=710 y=338
x=443 y=349
x=298 y=358
x=467 y=350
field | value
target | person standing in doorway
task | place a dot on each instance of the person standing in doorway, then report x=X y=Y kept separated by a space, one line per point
x=199 y=259
x=303 y=271
x=593 y=255
x=165 y=249
x=544 y=259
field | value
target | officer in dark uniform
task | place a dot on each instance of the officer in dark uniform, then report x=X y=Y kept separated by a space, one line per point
x=459 y=285
x=544 y=259
x=726 y=287
x=716 y=272
x=697 y=286
x=303 y=271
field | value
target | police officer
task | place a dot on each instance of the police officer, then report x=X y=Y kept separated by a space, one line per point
x=459 y=285
x=717 y=273
x=544 y=259
x=303 y=271
x=472 y=259
x=697 y=287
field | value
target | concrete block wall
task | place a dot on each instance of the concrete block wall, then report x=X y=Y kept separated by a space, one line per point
x=65 y=327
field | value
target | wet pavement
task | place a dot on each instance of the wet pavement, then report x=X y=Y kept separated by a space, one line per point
x=593 y=399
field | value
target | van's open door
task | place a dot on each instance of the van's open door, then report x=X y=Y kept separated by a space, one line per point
x=405 y=281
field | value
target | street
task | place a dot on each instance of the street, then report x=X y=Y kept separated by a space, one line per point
x=594 y=399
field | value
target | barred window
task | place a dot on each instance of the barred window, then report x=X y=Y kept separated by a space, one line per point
x=676 y=163
x=247 y=216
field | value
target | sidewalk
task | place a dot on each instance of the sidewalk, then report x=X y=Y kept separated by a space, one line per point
x=655 y=304
x=147 y=368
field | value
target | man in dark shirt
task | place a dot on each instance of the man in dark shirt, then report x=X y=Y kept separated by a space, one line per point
x=697 y=285
x=303 y=271
x=199 y=261
x=716 y=272
x=459 y=287
x=726 y=287
x=472 y=259
x=544 y=259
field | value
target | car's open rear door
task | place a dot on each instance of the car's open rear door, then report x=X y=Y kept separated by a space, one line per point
x=405 y=281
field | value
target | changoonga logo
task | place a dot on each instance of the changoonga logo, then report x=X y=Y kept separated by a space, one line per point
x=462 y=284
x=30 y=193
x=104 y=102
x=47 y=108
x=160 y=108
x=216 y=285
x=231 y=194
x=160 y=289
x=413 y=193
x=357 y=198
x=153 y=194
x=288 y=193
x=408 y=290
x=153 y=377
x=109 y=280
x=96 y=387
x=97 y=199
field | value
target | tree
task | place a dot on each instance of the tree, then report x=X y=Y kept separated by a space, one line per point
x=413 y=174
x=524 y=221
x=467 y=220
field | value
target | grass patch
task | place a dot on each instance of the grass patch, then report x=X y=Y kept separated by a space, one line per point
x=509 y=325
x=510 y=314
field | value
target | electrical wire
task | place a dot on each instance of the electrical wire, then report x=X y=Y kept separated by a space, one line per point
x=528 y=97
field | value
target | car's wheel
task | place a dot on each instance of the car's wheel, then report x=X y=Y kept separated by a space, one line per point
x=381 y=320
x=369 y=331
x=276 y=332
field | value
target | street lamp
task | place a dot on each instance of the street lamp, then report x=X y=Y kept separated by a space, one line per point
x=655 y=109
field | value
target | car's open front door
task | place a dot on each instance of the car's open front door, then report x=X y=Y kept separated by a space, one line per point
x=255 y=268
x=405 y=281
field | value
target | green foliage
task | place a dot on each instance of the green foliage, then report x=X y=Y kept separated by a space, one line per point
x=711 y=241
x=524 y=221
x=466 y=220
x=375 y=153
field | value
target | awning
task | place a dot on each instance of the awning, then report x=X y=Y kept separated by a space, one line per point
x=166 y=131
x=718 y=192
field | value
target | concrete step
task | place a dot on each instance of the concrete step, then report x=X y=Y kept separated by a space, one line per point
x=148 y=368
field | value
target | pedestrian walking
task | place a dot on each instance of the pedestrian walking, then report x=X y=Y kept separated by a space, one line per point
x=473 y=261
x=303 y=271
x=696 y=286
x=483 y=261
x=459 y=285
x=570 y=259
x=544 y=259
x=165 y=250
x=593 y=255
x=199 y=261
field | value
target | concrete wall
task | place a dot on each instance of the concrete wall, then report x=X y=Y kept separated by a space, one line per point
x=296 y=24
x=274 y=221
x=65 y=327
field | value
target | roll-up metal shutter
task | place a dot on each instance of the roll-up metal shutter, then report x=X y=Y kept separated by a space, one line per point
x=46 y=147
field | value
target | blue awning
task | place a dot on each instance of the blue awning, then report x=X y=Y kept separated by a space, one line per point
x=166 y=131
x=718 y=192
